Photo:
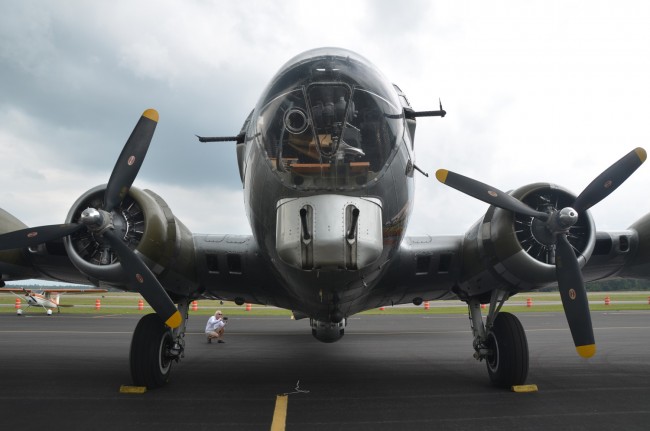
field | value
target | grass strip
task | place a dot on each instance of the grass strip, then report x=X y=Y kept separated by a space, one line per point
x=127 y=303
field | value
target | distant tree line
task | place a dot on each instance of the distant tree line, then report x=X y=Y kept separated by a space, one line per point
x=612 y=285
x=618 y=284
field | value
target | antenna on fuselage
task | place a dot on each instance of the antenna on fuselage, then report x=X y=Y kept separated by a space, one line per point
x=420 y=171
x=411 y=114
x=239 y=138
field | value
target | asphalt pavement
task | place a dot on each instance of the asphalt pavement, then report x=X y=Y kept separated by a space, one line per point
x=396 y=372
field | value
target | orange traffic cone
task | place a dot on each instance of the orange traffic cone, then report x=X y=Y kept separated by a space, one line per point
x=140 y=304
x=607 y=300
x=426 y=305
x=98 y=304
x=195 y=306
x=529 y=302
x=248 y=307
x=18 y=303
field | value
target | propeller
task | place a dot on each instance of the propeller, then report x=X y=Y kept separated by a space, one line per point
x=99 y=222
x=557 y=224
x=36 y=235
x=130 y=160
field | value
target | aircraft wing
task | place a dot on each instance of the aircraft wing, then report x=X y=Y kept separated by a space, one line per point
x=425 y=268
x=81 y=291
x=490 y=257
x=57 y=290
x=12 y=290
x=231 y=267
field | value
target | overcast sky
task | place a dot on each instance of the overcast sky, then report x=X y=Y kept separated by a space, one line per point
x=535 y=91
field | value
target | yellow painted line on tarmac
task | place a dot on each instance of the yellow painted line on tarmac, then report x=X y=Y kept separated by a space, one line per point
x=280 y=414
x=124 y=389
x=524 y=388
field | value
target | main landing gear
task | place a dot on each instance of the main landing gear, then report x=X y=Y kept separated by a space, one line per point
x=154 y=347
x=501 y=341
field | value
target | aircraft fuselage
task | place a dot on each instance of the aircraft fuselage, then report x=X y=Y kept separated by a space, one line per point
x=328 y=179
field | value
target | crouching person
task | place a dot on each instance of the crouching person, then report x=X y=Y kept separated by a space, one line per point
x=215 y=327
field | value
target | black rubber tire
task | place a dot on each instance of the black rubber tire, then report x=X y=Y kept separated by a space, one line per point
x=151 y=340
x=508 y=364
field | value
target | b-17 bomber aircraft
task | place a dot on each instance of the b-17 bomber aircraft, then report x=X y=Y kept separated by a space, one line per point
x=327 y=161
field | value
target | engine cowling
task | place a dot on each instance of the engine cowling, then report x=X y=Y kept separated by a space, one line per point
x=149 y=227
x=510 y=250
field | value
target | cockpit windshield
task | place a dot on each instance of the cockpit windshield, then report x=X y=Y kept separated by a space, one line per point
x=329 y=120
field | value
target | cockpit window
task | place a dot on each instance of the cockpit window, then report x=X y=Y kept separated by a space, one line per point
x=332 y=130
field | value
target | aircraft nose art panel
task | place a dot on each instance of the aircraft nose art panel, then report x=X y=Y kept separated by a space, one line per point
x=329 y=231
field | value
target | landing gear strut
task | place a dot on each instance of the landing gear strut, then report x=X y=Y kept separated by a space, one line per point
x=154 y=347
x=501 y=341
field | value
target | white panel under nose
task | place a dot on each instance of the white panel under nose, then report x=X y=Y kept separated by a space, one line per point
x=329 y=231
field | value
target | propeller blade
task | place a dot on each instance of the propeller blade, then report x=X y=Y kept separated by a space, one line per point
x=36 y=235
x=610 y=179
x=142 y=280
x=574 y=297
x=486 y=193
x=131 y=158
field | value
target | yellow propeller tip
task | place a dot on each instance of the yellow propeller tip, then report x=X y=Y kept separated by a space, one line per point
x=586 y=351
x=441 y=175
x=151 y=114
x=175 y=320
x=641 y=153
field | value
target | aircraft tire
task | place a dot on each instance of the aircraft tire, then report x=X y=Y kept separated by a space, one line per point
x=151 y=340
x=508 y=364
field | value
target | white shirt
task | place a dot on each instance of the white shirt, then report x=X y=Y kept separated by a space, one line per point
x=214 y=324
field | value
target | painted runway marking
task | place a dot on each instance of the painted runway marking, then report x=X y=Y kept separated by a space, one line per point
x=281 y=403
x=280 y=413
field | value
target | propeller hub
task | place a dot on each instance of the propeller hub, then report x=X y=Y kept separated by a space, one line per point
x=567 y=217
x=97 y=221
x=558 y=223
x=91 y=217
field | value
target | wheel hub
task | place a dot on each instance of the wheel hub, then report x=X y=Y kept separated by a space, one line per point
x=492 y=357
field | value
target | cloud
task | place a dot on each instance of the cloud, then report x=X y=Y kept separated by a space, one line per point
x=535 y=91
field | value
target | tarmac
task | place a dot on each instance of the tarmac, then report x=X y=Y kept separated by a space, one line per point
x=412 y=372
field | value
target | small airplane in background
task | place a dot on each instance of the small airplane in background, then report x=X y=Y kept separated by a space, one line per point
x=46 y=298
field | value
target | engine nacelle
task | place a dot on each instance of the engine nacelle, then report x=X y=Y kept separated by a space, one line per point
x=14 y=265
x=327 y=332
x=149 y=227
x=510 y=250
